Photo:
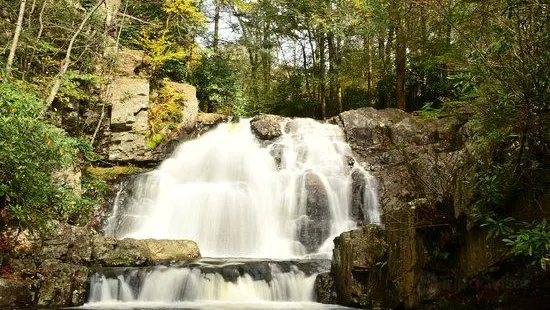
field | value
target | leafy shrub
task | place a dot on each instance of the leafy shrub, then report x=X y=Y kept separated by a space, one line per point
x=165 y=116
x=533 y=240
x=30 y=151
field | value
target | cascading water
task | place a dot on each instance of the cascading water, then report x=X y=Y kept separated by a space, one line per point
x=241 y=197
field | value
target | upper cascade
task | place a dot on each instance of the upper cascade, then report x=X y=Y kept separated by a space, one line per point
x=239 y=197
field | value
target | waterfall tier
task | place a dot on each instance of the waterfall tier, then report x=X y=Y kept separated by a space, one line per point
x=233 y=281
x=239 y=197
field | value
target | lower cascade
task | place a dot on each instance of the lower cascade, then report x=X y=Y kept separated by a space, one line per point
x=236 y=281
x=264 y=213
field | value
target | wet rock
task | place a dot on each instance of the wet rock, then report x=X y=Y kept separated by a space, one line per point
x=317 y=205
x=64 y=284
x=358 y=196
x=325 y=289
x=359 y=259
x=110 y=252
x=266 y=127
x=314 y=228
x=211 y=119
x=425 y=172
x=16 y=294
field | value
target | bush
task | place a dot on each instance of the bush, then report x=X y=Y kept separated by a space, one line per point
x=533 y=240
x=165 y=116
x=30 y=151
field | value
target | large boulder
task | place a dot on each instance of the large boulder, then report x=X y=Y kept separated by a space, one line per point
x=266 y=126
x=64 y=284
x=207 y=121
x=169 y=251
x=325 y=290
x=359 y=261
x=130 y=101
x=314 y=228
x=53 y=269
x=110 y=252
x=16 y=293
x=416 y=163
x=434 y=254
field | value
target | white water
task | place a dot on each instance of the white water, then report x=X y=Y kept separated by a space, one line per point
x=239 y=197
x=225 y=191
x=186 y=284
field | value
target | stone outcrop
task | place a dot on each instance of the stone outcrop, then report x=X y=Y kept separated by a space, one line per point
x=129 y=98
x=190 y=111
x=54 y=269
x=64 y=284
x=266 y=126
x=15 y=292
x=130 y=252
x=315 y=227
x=325 y=290
x=129 y=101
x=359 y=262
x=429 y=253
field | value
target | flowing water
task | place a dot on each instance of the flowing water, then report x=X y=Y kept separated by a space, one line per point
x=283 y=201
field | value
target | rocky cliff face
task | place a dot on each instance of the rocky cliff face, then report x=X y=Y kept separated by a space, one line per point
x=52 y=271
x=426 y=253
x=129 y=98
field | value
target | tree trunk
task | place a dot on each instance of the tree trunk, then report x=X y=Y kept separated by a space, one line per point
x=216 y=27
x=15 y=41
x=306 y=74
x=367 y=39
x=337 y=73
x=41 y=20
x=33 y=6
x=322 y=73
x=66 y=62
x=331 y=70
x=266 y=60
x=400 y=59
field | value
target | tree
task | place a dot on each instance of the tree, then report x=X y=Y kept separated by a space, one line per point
x=66 y=62
x=15 y=40
x=216 y=27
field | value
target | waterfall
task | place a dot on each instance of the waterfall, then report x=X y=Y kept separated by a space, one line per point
x=192 y=284
x=237 y=196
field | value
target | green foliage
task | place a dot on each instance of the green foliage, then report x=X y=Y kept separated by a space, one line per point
x=533 y=240
x=30 y=152
x=429 y=112
x=165 y=116
x=17 y=102
x=41 y=56
x=169 y=38
x=217 y=87
x=498 y=227
x=77 y=87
